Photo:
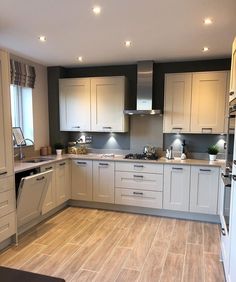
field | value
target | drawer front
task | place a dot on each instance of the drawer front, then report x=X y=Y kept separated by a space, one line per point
x=139 y=198
x=135 y=180
x=7 y=202
x=139 y=167
x=7 y=226
x=7 y=183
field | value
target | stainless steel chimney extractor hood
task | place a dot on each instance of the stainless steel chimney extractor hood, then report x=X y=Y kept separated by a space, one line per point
x=144 y=90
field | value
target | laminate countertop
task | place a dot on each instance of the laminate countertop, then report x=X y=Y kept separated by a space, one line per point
x=25 y=165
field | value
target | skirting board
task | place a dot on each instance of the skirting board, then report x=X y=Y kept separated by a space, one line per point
x=147 y=211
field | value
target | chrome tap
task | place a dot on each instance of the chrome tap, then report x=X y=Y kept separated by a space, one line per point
x=21 y=154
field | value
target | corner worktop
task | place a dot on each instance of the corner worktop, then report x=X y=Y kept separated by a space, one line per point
x=22 y=165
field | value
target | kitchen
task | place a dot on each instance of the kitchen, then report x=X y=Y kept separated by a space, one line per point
x=109 y=218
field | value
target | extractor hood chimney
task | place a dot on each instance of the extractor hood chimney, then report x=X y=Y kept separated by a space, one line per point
x=144 y=90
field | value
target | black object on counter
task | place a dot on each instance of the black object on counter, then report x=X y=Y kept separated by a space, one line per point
x=141 y=157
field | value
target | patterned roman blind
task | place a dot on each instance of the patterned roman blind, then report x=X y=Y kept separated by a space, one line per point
x=22 y=74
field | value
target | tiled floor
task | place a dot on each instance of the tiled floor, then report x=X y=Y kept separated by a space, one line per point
x=90 y=245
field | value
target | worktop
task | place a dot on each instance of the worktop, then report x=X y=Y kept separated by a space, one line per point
x=22 y=165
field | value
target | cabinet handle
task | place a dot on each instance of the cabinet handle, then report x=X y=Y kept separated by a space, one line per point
x=177 y=168
x=48 y=168
x=138 y=193
x=107 y=127
x=223 y=231
x=103 y=164
x=231 y=93
x=138 y=176
x=76 y=126
x=234 y=162
x=4 y=172
x=81 y=163
x=206 y=170
x=177 y=128
x=140 y=166
x=61 y=164
x=40 y=178
x=234 y=177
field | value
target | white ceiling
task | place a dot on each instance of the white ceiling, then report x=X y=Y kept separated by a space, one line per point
x=161 y=30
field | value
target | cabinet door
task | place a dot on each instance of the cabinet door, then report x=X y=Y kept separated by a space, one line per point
x=62 y=182
x=6 y=147
x=74 y=94
x=232 y=87
x=178 y=89
x=108 y=102
x=208 y=102
x=103 y=181
x=176 y=187
x=204 y=189
x=50 y=199
x=82 y=180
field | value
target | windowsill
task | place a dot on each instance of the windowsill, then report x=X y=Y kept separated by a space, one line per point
x=23 y=146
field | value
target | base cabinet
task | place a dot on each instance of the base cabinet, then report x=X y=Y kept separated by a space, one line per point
x=81 y=177
x=204 y=189
x=63 y=189
x=50 y=200
x=103 y=181
x=176 y=187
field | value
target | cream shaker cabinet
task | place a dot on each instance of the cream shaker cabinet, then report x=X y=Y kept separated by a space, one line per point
x=63 y=189
x=6 y=147
x=177 y=103
x=108 y=103
x=204 y=189
x=208 y=102
x=232 y=87
x=195 y=102
x=50 y=199
x=103 y=181
x=176 y=187
x=93 y=104
x=74 y=97
x=82 y=173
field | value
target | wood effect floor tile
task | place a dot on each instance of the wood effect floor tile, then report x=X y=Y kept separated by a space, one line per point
x=195 y=233
x=173 y=268
x=194 y=264
x=126 y=221
x=213 y=268
x=211 y=238
x=164 y=231
x=98 y=258
x=154 y=262
x=35 y=262
x=83 y=276
x=179 y=237
x=113 y=265
x=143 y=244
x=128 y=275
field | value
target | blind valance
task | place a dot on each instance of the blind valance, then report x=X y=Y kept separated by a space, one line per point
x=22 y=74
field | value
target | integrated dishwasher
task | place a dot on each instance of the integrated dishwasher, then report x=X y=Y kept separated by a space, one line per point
x=31 y=189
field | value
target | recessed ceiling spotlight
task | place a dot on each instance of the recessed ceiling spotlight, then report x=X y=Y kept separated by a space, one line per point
x=80 y=59
x=208 y=21
x=127 y=43
x=42 y=38
x=205 y=49
x=97 y=10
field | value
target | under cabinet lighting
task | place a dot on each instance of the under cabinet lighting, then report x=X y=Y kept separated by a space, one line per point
x=205 y=49
x=127 y=43
x=96 y=10
x=80 y=59
x=42 y=38
x=208 y=21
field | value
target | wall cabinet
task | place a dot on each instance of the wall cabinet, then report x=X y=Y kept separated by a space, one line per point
x=93 y=104
x=82 y=184
x=103 y=181
x=74 y=95
x=50 y=199
x=63 y=188
x=204 y=189
x=176 y=187
x=195 y=102
x=232 y=87
x=178 y=89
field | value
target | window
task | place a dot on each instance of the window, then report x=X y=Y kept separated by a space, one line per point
x=22 y=109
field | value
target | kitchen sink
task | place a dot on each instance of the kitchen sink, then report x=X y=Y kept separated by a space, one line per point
x=38 y=160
